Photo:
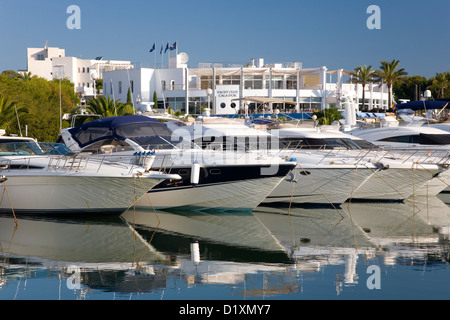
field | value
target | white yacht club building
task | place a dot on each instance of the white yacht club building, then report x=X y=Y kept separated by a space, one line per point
x=232 y=89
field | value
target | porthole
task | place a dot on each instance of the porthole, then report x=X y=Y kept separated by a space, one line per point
x=223 y=105
x=215 y=171
x=183 y=172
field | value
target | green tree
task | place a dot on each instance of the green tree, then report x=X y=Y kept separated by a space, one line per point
x=104 y=106
x=108 y=107
x=10 y=115
x=129 y=97
x=155 y=100
x=409 y=87
x=42 y=99
x=327 y=116
x=440 y=83
x=363 y=75
x=390 y=73
x=25 y=76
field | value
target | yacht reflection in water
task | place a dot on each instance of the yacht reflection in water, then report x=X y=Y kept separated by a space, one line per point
x=266 y=253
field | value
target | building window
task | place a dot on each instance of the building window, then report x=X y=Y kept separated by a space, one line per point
x=177 y=104
x=253 y=82
x=163 y=85
x=132 y=86
x=206 y=82
x=40 y=57
x=172 y=85
x=277 y=82
x=120 y=87
x=231 y=80
x=310 y=104
x=291 y=82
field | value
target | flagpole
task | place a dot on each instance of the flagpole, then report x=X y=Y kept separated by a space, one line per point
x=168 y=54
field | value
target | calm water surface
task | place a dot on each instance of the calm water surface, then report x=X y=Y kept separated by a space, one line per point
x=356 y=251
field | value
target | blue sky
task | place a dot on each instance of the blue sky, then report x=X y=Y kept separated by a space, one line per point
x=322 y=32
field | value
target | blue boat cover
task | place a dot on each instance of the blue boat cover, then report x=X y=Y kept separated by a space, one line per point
x=422 y=105
x=132 y=126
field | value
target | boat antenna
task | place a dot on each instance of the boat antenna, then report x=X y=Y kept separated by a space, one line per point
x=18 y=121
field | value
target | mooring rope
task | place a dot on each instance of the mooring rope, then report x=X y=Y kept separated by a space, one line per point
x=5 y=190
x=318 y=188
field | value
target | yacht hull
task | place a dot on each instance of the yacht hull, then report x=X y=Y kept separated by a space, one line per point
x=240 y=187
x=396 y=183
x=320 y=185
x=40 y=194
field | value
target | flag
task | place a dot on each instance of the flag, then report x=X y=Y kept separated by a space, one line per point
x=153 y=48
x=174 y=46
x=167 y=47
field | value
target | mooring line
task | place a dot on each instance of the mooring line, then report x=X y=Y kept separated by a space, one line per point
x=289 y=212
x=307 y=174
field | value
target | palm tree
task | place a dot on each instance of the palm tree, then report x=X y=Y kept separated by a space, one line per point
x=104 y=106
x=389 y=74
x=9 y=114
x=364 y=75
x=441 y=82
x=25 y=76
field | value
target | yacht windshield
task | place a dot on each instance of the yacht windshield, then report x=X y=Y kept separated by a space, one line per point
x=32 y=148
x=322 y=143
x=422 y=138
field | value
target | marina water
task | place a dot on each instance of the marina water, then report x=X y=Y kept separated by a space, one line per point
x=377 y=250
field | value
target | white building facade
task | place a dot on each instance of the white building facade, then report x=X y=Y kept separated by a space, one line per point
x=232 y=89
x=51 y=63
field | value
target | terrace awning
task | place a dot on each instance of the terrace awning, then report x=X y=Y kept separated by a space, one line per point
x=264 y=100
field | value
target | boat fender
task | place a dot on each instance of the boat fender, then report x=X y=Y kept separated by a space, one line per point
x=195 y=253
x=195 y=174
x=147 y=162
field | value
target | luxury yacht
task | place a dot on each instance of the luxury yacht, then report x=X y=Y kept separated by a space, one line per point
x=421 y=145
x=37 y=179
x=210 y=179
x=400 y=176
x=316 y=179
x=332 y=166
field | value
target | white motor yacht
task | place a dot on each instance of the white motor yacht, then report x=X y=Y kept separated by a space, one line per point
x=421 y=145
x=399 y=175
x=316 y=179
x=37 y=179
x=210 y=179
